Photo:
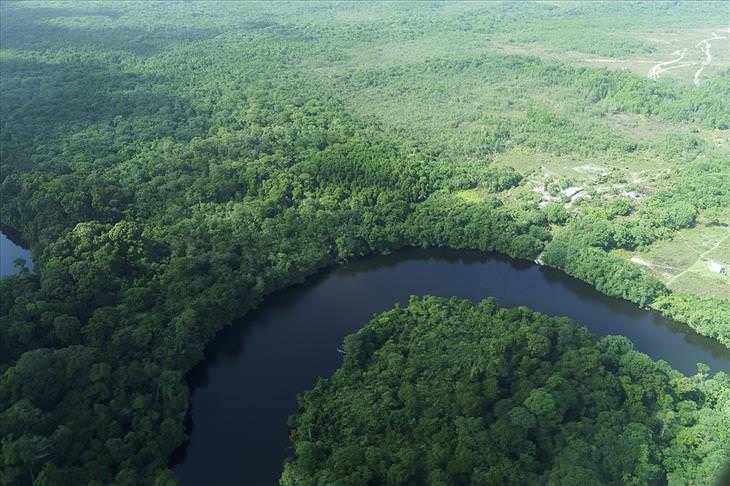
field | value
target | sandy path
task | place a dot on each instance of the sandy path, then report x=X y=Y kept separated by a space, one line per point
x=704 y=46
x=640 y=261
x=655 y=71
x=679 y=66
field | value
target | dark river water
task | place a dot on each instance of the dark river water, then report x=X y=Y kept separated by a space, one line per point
x=245 y=389
x=9 y=252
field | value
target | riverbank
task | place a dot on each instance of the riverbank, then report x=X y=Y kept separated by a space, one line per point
x=245 y=388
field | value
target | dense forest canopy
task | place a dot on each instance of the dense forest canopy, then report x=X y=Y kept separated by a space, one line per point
x=449 y=392
x=170 y=164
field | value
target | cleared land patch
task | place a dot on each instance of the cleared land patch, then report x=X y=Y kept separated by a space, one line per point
x=683 y=263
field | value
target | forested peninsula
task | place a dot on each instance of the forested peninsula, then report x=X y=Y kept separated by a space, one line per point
x=170 y=165
x=450 y=392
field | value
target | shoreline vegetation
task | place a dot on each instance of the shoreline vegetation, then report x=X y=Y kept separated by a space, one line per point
x=171 y=165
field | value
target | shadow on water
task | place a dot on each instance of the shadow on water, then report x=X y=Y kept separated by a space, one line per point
x=628 y=310
x=245 y=389
x=12 y=247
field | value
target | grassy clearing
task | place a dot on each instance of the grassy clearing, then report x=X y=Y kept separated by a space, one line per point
x=635 y=175
x=668 y=45
x=645 y=128
x=472 y=196
x=683 y=263
x=702 y=282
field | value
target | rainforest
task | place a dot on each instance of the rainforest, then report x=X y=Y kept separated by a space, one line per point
x=173 y=166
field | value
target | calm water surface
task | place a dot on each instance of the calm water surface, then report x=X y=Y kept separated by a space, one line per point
x=9 y=251
x=246 y=388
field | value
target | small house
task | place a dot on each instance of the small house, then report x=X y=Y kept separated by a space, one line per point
x=716 y=267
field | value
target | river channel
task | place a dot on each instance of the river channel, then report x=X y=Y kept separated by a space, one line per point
x=245 y=389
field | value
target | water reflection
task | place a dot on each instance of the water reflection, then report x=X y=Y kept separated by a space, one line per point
x=247 y=386
x=11 y=249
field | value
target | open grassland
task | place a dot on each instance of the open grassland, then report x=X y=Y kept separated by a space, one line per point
x=685 y=55
x=683 y=263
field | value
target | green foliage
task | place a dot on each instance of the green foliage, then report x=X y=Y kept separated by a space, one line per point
x=444 y=220
x=611 y=275
x=448 y=392
x=701 y=185
x=171 y=164
x=707 y=315
x=556 y=213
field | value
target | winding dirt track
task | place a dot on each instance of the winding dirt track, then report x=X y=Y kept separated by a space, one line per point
x=655 y=71
x=704 y=46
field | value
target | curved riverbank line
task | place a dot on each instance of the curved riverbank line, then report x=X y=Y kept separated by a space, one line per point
x=245 y=389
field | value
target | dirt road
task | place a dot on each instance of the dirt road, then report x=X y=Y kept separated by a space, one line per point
x=704 y=46
x=655 y=71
